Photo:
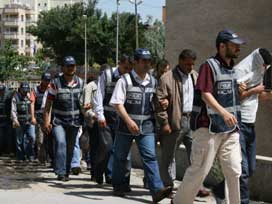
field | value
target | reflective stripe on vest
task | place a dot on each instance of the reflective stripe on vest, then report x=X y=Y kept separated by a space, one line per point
x=225 y=91
x=23 y=109
x=110 y=82
x=138 y=104
x=66 y=107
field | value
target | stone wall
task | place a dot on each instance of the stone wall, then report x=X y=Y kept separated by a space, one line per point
x=194 y=24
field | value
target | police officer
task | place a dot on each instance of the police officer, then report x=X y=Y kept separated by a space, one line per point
x=107 y=117
x=64 y=100
x=5 y=122
x=39 y=92
x=132 y=99
x=23 y=120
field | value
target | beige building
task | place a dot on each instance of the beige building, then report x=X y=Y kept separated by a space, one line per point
x=16 y=15
x=14 y=19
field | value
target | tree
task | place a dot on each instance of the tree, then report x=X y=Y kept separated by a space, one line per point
x=154 y=39
x=11 y=63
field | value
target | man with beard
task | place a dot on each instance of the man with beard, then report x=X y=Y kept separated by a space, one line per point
x=217 y=120
x=64 y=100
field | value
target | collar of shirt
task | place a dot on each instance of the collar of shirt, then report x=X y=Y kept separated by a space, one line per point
x=181 y=73
x=116 y=72
x=144 y=81
x=73 y=84
x=223 y=62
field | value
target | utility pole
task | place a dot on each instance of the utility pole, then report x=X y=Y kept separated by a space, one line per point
x=136 y=4
x=117 y=32
x=85 y=49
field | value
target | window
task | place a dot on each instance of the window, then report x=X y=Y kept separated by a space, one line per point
x=22 y=31
x=22 y=43
x=39 y=4
x=22 y=18
x=45 y=4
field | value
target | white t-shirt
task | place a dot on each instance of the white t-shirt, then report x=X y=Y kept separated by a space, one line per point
x=252 y=66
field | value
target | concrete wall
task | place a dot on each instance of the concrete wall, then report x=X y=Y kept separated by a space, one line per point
x=260 y=183
x=194 y=24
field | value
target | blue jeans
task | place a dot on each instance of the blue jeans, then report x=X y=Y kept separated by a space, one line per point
x=146 y=146
x=248 y=147
x=76 y=154
x=65 y=138
x=25 y=141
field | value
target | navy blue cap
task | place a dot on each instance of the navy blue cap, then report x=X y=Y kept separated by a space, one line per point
x=142 y=53
x=69 y=60
x=46 y=76
x=229 y=36
x=2 y=87
x=24 y=86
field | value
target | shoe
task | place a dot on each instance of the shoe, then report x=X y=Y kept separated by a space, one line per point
x=203 y=193
x=119 y=193
x=161 y=194
x=63 y=178
x=108 y=180
x=145 y=183
x=93 y=178
x=99 y=180
x=127 y=189
x=76 y=170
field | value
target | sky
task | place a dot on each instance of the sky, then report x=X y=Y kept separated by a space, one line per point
x=147 y=7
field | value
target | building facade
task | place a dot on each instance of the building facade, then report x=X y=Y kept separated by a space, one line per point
x=17 y=15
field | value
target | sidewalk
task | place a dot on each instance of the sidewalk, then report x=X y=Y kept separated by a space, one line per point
x=31 y=183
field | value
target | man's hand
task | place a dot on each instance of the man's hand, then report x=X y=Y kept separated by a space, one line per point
x=16 y=124
x=229 y=119
x=102 y=123
x=87 y=106
x=133 y=127
x=33 y=121
x=47 y=128
x=242 y=87
x=259 y=89
x=166 y=129
x=164 y=103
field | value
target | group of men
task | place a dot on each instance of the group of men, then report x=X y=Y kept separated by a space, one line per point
x=127 y=103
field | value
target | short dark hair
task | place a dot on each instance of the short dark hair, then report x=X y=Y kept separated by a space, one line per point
x=124 y=58
x=162 y=64
x=266 y=56
x=187 y=53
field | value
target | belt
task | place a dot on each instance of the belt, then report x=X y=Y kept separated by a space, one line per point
x=186 y=114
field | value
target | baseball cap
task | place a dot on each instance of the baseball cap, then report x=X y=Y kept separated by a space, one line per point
x=2 y=87
x=229 y=36
x=142 y=53
x=46 y=76
x=24 y=86
x=69 y=60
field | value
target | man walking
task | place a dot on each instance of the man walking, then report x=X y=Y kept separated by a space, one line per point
x=23 y=121
x=107 y=118
x=39 y=92
x=217 y=122
x=64 y=101
x=132 y=99
x=177 y=86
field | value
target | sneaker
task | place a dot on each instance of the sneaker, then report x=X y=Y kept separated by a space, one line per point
x=119 y=193
x=76 y=170
x=161 y=194
x=63 y=178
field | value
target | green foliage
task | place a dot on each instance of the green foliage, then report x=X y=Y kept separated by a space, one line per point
x=11 y=63
x=62 y=31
